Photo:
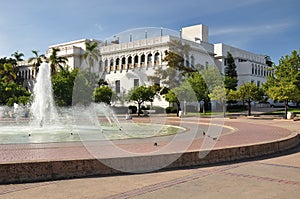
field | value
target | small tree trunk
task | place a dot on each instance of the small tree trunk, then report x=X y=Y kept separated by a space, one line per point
x=139 y=108
x=224 y=108
x=178 y=108
x=285 y=109
x=249 y=108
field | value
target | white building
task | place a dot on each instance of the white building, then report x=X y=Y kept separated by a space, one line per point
x=127 y=64
x=250 y=67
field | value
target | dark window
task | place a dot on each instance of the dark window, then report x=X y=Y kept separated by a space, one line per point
x=156 y=58
x=136 y=82
x=118 y=86
x=143 y=58
x=149 y=58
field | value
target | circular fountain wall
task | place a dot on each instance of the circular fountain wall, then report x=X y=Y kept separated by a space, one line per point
x=47 y=123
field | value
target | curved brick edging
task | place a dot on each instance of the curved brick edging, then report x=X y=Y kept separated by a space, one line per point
x=54 y=170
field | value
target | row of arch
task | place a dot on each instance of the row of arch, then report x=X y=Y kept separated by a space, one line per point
x=132 y=61
x=139 y=60
x=260 y=70
x=27 y=74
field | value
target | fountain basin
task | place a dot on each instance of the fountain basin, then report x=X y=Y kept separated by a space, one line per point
x=26 y=134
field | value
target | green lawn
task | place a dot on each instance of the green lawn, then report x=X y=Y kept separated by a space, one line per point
x=281 y=112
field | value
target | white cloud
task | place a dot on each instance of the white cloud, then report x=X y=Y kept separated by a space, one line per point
x=252 y=30
x=99 y=27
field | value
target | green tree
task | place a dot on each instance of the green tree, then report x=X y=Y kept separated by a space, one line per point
x=37 y=60
x=92 y=54
x=103 y=94
x=171 y=97
x=218 y=93
x=84 y=85
x=176 y=69
x=7 y=73
x=199 y=86
x=249 y=92
x=284 y=85
x=268 y=61
x=18 y=56
x=56 y=62
x=140 y=95
x=63 y=84
x=13 y=93
x=213 y=81
x=102 y=82
x=11 y=90
x=175 y=57
x=231 y=79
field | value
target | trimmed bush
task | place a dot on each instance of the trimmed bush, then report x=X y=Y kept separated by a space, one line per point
x=133 y=109
x=171 y=110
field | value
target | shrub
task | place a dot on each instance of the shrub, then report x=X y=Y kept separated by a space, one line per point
x=133 y=109
x=171 y=110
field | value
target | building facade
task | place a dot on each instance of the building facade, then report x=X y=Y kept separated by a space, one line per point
x=125 y=65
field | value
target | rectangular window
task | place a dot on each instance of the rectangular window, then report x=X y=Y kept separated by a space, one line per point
x=258 y=83
x=118 y=86
x=136 y=82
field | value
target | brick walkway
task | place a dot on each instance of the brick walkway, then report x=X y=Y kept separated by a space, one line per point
x=240 y=132
x=275 y=177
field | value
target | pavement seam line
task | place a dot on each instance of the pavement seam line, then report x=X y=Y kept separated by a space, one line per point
x=173 y=182
x=260 y=178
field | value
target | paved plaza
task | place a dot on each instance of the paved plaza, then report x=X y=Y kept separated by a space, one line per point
x=275 y=176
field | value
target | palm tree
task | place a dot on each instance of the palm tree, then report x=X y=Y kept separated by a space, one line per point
x=18 y=56
x=7 y=73
x=37 y=59
x=57 y=62
x=92 y=54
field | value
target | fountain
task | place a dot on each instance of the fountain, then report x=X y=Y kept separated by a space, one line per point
x=43 y=110
x=47 y=123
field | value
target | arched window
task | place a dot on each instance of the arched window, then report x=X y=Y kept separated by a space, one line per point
x=130 y=62
x=136 y=61
x=149 y=59
x=156 y=58
x=255 y=69
x=117 y=61
x=143 y=60
x=111 y=62
x=123 y=63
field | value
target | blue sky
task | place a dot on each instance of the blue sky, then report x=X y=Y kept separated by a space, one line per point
x=269 y=27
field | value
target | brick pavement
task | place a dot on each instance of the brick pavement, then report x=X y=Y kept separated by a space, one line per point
x=241 y=132
x=274 y=177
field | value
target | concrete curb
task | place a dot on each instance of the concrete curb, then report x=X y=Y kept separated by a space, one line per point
x=54 y=170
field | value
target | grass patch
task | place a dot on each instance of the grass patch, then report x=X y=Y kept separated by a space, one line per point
x=282 y=112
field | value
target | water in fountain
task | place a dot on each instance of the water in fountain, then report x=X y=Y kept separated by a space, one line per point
x=43 y=110
x=92 y=122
